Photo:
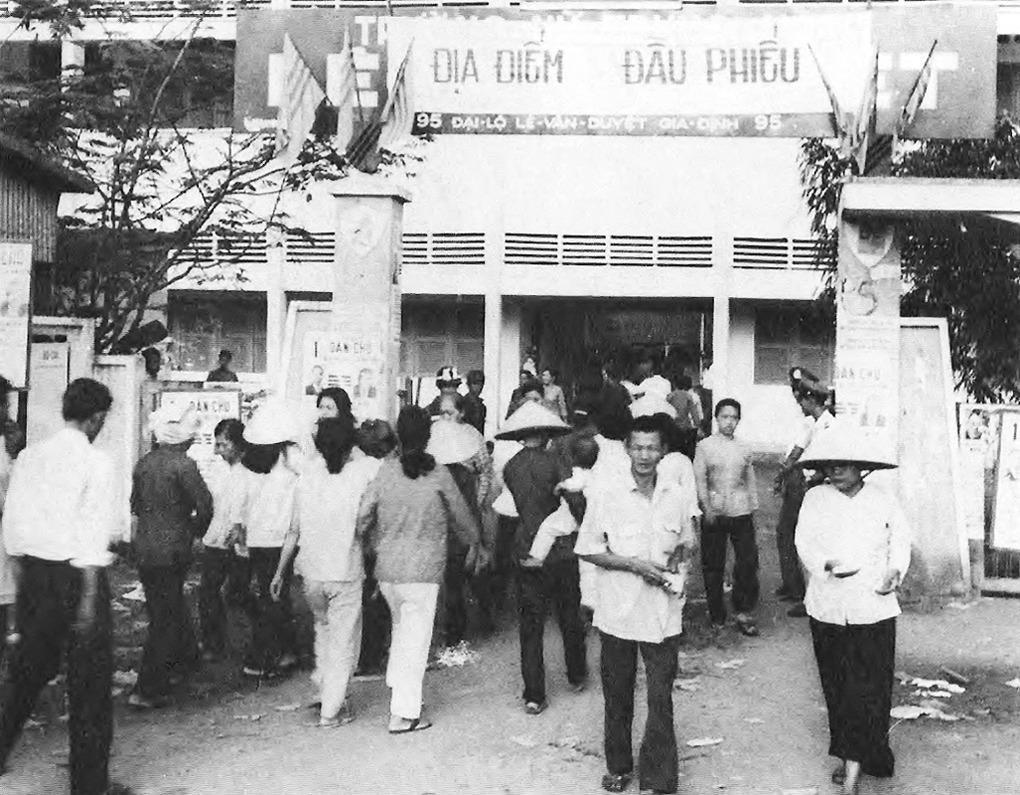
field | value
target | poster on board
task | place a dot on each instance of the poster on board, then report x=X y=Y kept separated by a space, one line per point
x=866 y=377
x=15 y=310
x=1006 y=515
x=353 y=361
x=212 y=407
x=978 y=425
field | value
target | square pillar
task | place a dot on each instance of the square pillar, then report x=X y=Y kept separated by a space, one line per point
x=722 y=265
x=363 y=343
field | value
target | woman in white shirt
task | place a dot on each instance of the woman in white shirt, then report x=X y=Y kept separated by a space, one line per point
x=330 y=559
x=218 y=556
x=273 y=460
x=853 y=540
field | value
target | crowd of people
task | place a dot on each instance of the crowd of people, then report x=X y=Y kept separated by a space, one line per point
x=594 y=506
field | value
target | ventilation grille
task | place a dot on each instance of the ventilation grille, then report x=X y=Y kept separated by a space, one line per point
x=779 y=253
x=311 y=247
x=444 y=248
x=210 y=248
x=525 y=248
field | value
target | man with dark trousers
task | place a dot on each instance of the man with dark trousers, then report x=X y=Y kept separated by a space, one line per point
x=638 y=530
x=58 y=522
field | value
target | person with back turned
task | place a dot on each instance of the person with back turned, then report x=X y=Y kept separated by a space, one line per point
x=58 y=522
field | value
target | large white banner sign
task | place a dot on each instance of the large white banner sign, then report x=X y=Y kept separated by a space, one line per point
x=15 y=310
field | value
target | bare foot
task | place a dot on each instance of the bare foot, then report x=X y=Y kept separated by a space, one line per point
x=853 y=774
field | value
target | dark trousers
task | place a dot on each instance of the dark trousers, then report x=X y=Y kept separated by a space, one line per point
x=170 y=644
x=657 y=762
x=855 y=664
x=786 y=535
x=451 y=608
x=273 y=622
x=48 y=597
x=557 y=582
x=739 y=530
x=375 y=628
x=217 y=566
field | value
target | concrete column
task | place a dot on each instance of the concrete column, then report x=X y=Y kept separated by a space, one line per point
x=72 y=56
x=493 y=353
x=276 y=308
x=365 y=324
x=722 y=264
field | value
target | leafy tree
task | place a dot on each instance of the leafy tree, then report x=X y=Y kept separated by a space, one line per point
x=965 y=271
x=144 y=121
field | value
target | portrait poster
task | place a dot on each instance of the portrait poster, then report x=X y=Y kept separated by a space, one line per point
x=352 y=360
x=978 y=425
x=15 y=310
x=1005 y=532
x=212 y=406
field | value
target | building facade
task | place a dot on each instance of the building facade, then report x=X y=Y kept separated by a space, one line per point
x=550 y=247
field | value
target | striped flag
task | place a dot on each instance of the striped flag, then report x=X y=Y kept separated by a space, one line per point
x=299 y=103
x=342 y=90
x=398 y=115
x=363 y=152
x=916 y=96
x=863 y=126
x=839 y=122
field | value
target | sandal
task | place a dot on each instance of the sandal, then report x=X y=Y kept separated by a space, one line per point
x=615 y=783
x=839 y=774
x=416 y=725
x=535 y=707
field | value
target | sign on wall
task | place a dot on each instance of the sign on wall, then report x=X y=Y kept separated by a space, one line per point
x=212 y=406
x=701 y=72
x=1006 y=515
x=353 y=361
x=15 y=310
x=979 y=445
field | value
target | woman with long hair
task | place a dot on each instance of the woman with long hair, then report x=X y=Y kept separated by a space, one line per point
x=329 y=558
x=13 y=443
x=403 y=520
x=853 y=539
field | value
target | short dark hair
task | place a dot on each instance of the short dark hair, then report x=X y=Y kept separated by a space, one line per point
x=650 y=423
x=226 y=354
x=475 y=377
x=85 y=397
x=531 y=385
x=233 y=431
x=376 y=438
x=552 y=371
x=735 y=404
x=683 y=381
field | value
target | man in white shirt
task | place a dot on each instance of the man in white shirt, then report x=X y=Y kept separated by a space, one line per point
x=58 y=522
x=638 y=530
x=812 y=397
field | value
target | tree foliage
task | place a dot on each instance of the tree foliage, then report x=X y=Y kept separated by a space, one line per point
x=963 y=269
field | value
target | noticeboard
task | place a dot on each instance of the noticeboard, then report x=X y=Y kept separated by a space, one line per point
x=15 y=310
x=212 y=406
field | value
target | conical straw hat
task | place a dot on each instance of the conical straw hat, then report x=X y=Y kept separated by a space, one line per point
x=273 y=422
x=453 y=442
x=650 y=404
x=846 y=443
x=528 y=419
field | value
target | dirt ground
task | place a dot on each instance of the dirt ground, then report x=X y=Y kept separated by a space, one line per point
x=760 y=697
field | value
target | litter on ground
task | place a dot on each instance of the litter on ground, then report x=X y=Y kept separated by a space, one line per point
x=456 y=656
x=704 y=742
x=730 y=665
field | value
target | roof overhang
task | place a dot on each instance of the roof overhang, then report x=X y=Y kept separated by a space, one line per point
x=43 y=170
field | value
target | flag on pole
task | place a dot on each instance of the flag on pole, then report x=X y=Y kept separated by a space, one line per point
x=299 y=103
x=342 y=91
x=397 y=115
x=863 y=126
x=916 y=96
x=839 y=122
x=363 y=152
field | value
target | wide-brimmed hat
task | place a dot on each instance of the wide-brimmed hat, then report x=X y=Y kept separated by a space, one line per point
x=532 y=418
x=453 y=442
x=273 y=423
x=652 y=403
x=811 y=386
x=846 y=443
x=174 y=424
x=448 y=375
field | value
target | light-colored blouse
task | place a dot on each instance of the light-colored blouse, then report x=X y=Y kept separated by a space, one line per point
x=867 y=532
x=270 y=505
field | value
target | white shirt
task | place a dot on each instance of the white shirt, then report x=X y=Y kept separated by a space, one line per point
x=270 y=505
x=228 y=492
x=655 y=385
x=327 y=518
x=60 y=503
x=868 y=532
x=622 y=520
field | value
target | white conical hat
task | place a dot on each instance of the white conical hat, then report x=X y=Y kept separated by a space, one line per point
x=273 y=422
x=528 y=419
x=652 y=403
x=453 y=442
x=843 y=442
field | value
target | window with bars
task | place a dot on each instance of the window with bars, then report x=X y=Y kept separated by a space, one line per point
x=204 y=324
x=786 y=337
